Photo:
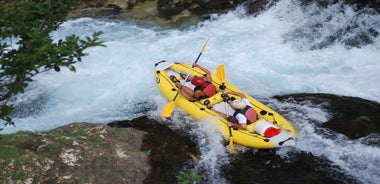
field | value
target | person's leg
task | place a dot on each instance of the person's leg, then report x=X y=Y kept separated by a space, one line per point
x=187 y=93
x=183 y=90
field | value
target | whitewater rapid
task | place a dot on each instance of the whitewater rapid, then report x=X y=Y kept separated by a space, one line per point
x=263 y=55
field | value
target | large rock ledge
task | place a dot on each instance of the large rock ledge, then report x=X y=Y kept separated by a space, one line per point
x=165 y=8
x=184 y=13
x=75 y=153
x=352 y=116
x=172 y=9
x=136 y=151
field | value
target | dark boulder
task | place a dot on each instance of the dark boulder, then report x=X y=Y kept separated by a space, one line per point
x=356 y=128
x=352 y=116
x=169 y=8
x=169 y=151
x=254 y=7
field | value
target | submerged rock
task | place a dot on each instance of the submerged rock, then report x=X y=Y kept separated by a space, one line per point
x=352 y=116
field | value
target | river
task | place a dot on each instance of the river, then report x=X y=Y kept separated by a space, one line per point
x=284 y=50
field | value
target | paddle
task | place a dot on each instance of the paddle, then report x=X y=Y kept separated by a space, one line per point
x=220 y=73
x=222 y=76
x=232 y=146
x=168 y=109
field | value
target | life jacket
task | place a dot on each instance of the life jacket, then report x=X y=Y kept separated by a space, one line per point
x=249 y=113
x=209 y=90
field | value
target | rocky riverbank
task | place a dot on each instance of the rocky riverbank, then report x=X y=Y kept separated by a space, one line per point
x=178 y=12
x=96 y=154
x=75 y=153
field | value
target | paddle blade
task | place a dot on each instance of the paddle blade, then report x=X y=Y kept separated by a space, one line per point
x=168 y=109
x=204 y=46
x=232 y=146
x=220 y=73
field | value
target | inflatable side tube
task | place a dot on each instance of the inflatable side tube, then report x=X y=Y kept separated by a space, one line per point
x=217 y=98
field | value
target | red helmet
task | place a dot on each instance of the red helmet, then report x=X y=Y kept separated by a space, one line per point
x=198 y=81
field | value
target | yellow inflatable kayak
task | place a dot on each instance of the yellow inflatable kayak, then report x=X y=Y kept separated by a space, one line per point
x=253 y=137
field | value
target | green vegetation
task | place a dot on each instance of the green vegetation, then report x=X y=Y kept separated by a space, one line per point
x=12 y=146
x=147 y=152
x=15 y=149
x=189 y=177
x=78 y=150
x=7 y=152
x=107 y=163
x=26 y=48
x=122 y=131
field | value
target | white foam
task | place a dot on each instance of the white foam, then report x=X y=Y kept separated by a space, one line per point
x=351 y=156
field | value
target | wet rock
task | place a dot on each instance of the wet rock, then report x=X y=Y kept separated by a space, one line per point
x=169 y=151
x=265 y=166
x=169 y=9
x=94 y=13
x=121 y=4
x=352 y=116
x=357 y=128
x=91 y=3
x=359 y=4
x=254 y=7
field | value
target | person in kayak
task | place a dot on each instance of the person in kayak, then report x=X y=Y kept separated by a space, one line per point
x=203 y=85
x=244 y=113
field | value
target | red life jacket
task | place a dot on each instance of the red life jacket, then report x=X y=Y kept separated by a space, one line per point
x=208 y=90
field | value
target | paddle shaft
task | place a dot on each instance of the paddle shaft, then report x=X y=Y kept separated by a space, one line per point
x=187 y=76
x=222 y=76
x=229 y=128
x=168 y=109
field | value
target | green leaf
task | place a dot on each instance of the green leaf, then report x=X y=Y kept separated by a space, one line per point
x=56 y=68
x=71 y=68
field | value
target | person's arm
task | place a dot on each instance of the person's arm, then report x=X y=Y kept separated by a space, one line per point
x=208 y=73
x=207 y=103
x=240 y=126
x=218 y=112
x=242 y=122
x=241 y=95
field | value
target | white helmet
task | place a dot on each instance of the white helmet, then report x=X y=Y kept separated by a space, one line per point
x=238 y=104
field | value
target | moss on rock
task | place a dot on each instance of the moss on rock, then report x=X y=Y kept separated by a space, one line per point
x=75 y=153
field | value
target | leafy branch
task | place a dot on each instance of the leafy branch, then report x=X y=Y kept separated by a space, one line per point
x=26 y=48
